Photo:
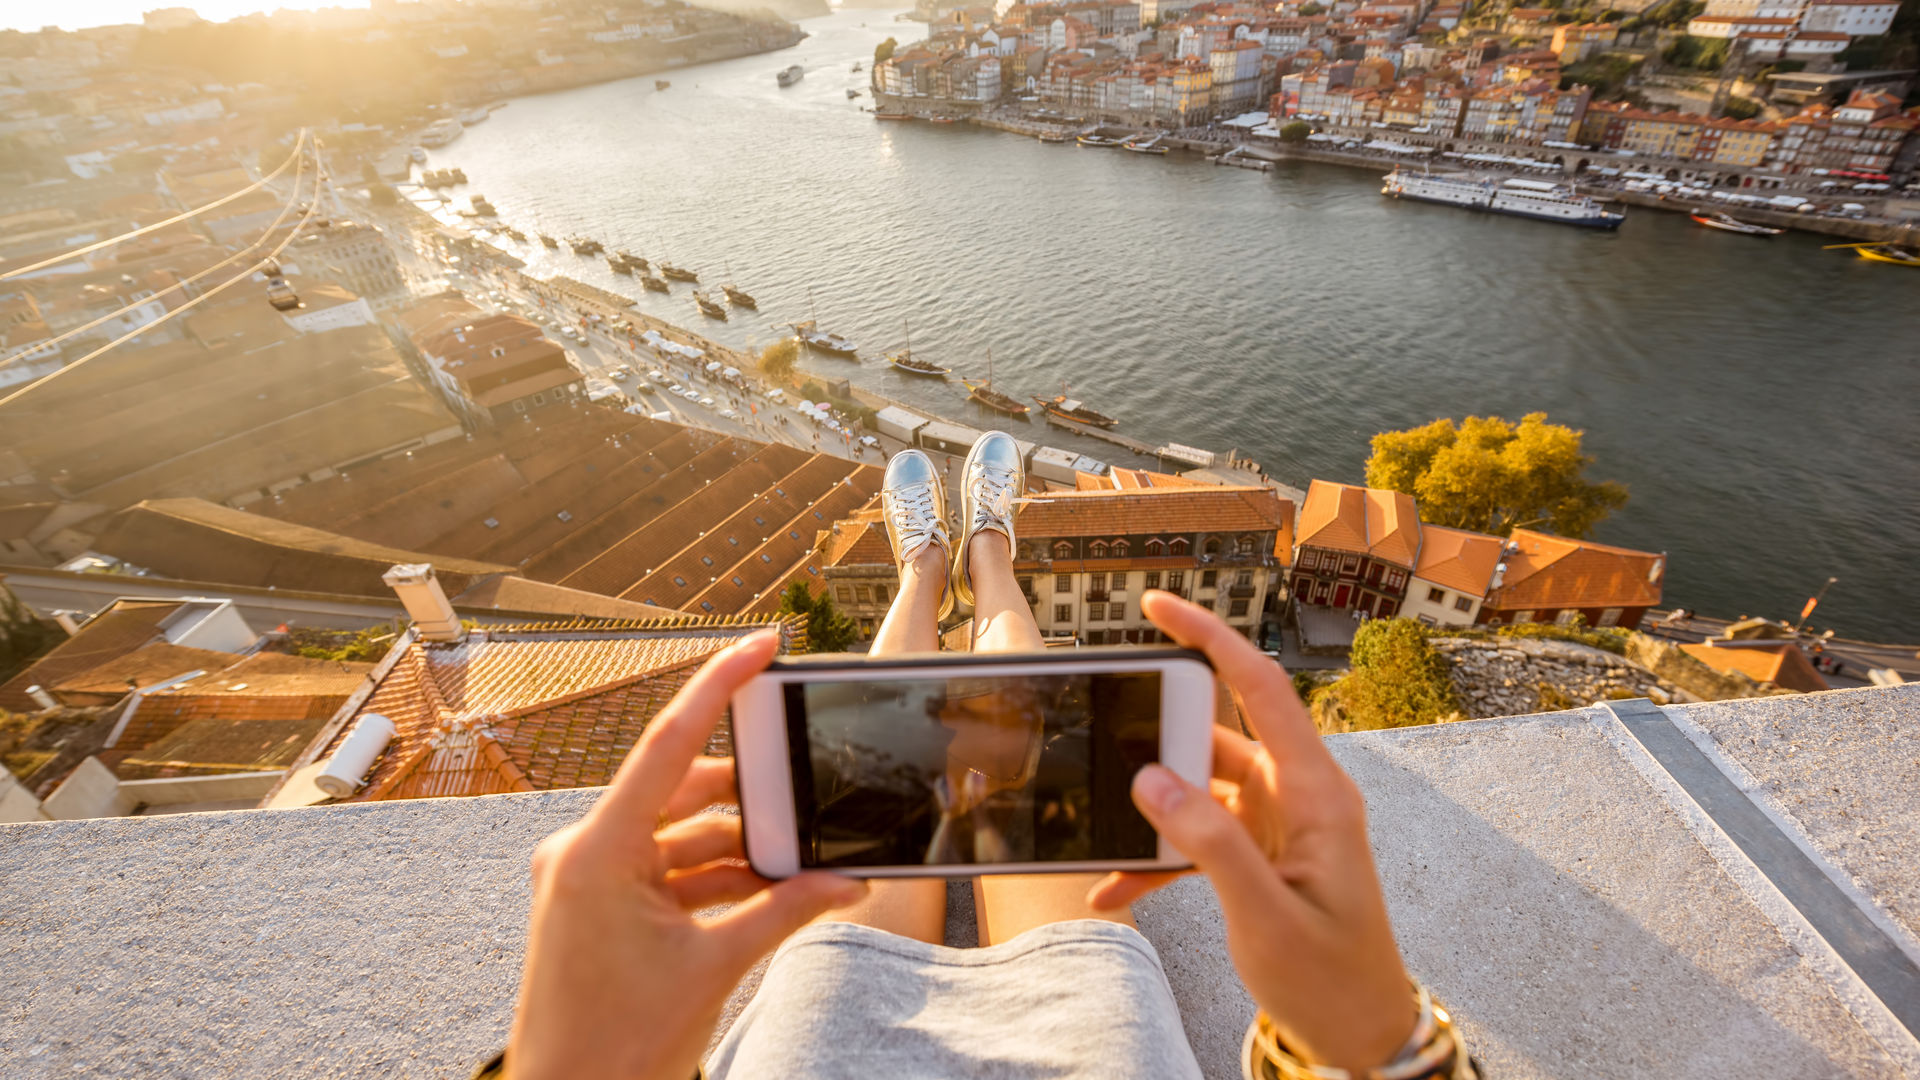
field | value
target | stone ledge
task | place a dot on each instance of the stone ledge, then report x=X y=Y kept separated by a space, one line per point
x=1560 y=906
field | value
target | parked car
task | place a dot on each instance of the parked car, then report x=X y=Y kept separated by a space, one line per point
x=707 y=401
x=676 y=389
x=618 y=373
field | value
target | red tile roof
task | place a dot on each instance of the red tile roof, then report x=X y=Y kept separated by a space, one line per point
x=1546 y=573
x=1142 y=511
x=1460 y=560
x=533 y=707
x=109 y=636
x=1782 y=664
x=1359 y=520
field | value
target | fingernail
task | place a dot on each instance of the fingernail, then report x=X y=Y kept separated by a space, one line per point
x=1159 y=789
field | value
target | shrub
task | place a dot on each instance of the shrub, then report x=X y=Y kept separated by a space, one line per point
x=1611 y=638
x=1296 y=132
x=1398 y=680
x=1739 y=108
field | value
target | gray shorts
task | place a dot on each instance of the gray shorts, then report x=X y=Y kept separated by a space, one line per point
x=1073 y=999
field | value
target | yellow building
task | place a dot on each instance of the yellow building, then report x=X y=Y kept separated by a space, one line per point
x=1742 y=143
x=1668 y=134
x=1575 y=42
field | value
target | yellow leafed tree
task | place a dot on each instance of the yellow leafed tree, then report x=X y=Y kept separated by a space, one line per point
x=1494 y=476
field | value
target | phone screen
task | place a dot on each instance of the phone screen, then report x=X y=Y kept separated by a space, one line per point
x=964 y=771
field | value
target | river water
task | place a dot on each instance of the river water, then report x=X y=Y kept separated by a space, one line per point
x=1758 y=397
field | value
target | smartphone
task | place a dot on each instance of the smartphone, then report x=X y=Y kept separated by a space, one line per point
x=956 y=764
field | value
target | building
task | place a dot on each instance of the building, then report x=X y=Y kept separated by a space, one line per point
x=496 y=368
x=1555 y=580
x=327 y=307
x=516 y=708
x=91 y=666
x=858 y=570
x=1455 y=571
x=1574 y=42
x=1356 y=549
x=1084 y=557
x=357 y=256
x=1780 y=663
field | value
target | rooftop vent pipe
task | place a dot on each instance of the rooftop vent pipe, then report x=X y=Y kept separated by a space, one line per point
x=347 y=768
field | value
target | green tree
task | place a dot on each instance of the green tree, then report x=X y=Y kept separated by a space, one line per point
x=23 y=635
x=884 y=51
x=827 y=629
x=777 y=359
x=1296 y=132
x=1311 y=8
x=1493 y=476
x=1739 y=108
x=1398 y=680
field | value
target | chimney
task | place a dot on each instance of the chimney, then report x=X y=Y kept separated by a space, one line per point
x=426 y=603
x=41 y=697
x=66 y=621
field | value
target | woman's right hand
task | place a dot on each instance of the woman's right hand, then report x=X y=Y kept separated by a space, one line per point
x=1283 y=837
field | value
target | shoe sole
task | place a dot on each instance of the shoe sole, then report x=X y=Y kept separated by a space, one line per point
x=939 y=485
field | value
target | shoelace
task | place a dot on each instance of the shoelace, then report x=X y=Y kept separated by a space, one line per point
x=916 y=519
x=993 y=496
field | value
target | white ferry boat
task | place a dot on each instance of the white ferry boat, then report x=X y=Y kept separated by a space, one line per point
x=440 y=132
x=1522 y=198
x=791 y=75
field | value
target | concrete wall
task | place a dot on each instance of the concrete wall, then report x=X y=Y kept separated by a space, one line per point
x=90 y=791
x=16 y=802
x=1580 y=911
x=180 y=790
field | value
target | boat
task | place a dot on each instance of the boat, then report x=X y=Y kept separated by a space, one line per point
x=881 y=114
x=1072 y=409
x=709 y=307
x=1098 y=140
x=1150 y=146
x=1880 y=251
x=851 y=94
x=418 y=154
x=1716 y=220
x=473 y=116
x=905 y=361
x=548 y=240
x=988 y=397
x=583 y=245
x=619 y=265
x=661 y=84
x=482 y=207
x=675 y=273
x=941 y=118
x=651 y=283
x=737 y=295
x=440 y=132
x=856 y=66
x=514 y=233
x=791 y=75
x=634 y=262
x=1535 y=199
x=458 y=174
x=813 y=337
x=1052 y=137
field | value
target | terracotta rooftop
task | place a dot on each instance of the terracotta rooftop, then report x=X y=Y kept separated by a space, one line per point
x=533 y=707
x=1547 y=572
x=1147 y=511
x=1460 y=560
x=109 y=636
x=1383 y=525
x=522 y=594
x=152 y=663
x=1780 y=663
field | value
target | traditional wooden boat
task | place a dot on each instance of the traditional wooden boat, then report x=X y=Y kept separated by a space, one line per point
x=651 y=283
x=549 y=241
x=1073 y=409
x=709 y=307
x=739 y=296
x=1896 y=254
x=904 y=360
x=988 y=397
x=1098 y=140
x=618 y=265
x=675 y=273
x=1725 y=223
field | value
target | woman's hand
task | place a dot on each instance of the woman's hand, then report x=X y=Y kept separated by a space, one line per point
x=621 y=979
x=1283 y=837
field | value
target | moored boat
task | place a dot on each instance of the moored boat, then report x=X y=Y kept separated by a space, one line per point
x=661 y=84
x=852 y=93
x=791 y=75
x=709 y=307
x=1052 y=137
x=941 y=118
x=881 y=114
x=739 y=296
x=1882 y=251
x=1144 y=146
x=651 y=283
x=1726 y=223
x=618 y=265
x=812 y=337
x=549 y=241
x=676 y=273
x=634 y=262
x=905 y=361
x=482 y=207
x=1535 y=199
x=1098 y=140
x=585 y=245
x=988 y=397
x=1073 y=409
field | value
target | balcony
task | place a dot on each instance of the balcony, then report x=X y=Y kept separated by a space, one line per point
x=1558 y=882
x=1096 y=596
x=1242 y=592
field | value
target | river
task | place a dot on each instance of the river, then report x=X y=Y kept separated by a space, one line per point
x=1757 y=397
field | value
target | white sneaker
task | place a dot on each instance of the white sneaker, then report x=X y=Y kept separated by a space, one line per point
x=991 y=485
x=914 y=499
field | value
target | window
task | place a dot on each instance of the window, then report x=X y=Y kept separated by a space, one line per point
x=1568 y=617
x=1237 y=608
x=1096 y=637
x=1097 y=582
x=1176 y=580
x=843 y=593
x=1120 y=548
x=758 y=520
x=1026 y=584
x=564 y=516
x=1117 y=612
x=539 y=399
x=1096 y=612
x=706 y=605
x=766 y=558
x=1243 y=579
x=1062 y=613
x=1309 y=559
x=733 y=541
x=1465 y=603
x=1609 y=617
x=1428 y=619
x=863 y=594
x=1396 y=578
x=1062 y=549
x=791 y=535
x=680 y=581
x=1063 y=583
x=1209 y=578
x=879 y=594
x=1350 y=564
x=1153 y=580
x=1523 y=616
x=1436 y=596
x=519 y=406
x=706 y=560
x=1155 y=547
x=737 y=582
x=1097 y=549
x=1119 y=581
x=1244 y=545
x=1213 y=545
x=1178 y=546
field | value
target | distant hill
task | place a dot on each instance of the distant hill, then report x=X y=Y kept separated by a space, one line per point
x=772 y=9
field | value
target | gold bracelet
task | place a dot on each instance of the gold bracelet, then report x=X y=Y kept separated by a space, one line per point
x=1434 y=1051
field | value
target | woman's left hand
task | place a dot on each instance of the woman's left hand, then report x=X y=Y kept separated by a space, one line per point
x=621 y=978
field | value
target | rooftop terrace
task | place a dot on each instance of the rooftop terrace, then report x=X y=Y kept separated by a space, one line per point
x=1730 y=889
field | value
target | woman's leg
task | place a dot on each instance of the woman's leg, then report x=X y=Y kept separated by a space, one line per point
x=910 y=907
x=1006 y=905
